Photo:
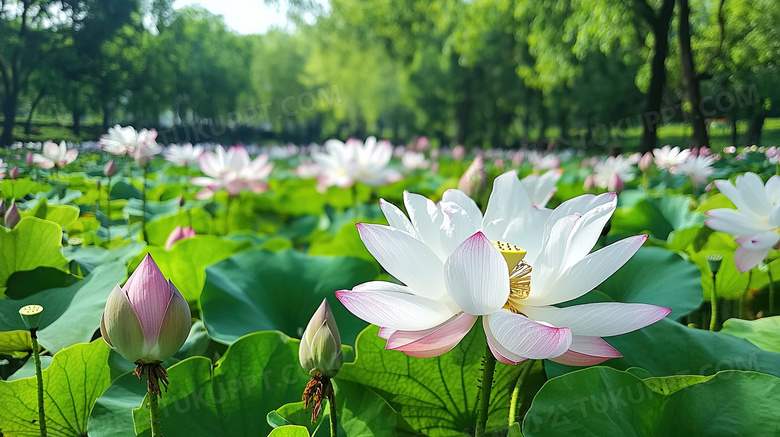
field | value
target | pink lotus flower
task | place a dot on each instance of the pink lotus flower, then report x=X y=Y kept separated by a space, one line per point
x=233 y=171
x=755 y=222
x=55 y=156
x=178 y=234
x=147 y=320
x=544 y=259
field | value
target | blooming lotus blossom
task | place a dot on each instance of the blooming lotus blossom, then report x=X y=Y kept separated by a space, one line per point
x=414 y=161
x=512 y=283
x=606 y=171
x=233 y=171
x=125 y=140
x=670 y=157
x=698 y=168
x=343 y=164
x=144 y=152
x=184 y=155
x=755 y=222
x=147 y=320
x=540 y=189
x=543 y=162
x=178 y=234
x=55 y=156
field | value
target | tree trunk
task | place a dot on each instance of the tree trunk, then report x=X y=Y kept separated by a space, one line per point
x=463 y=114
x=652 y=114
x=753 y=134
x=38 y=98
x=76 y=113
x=106 y=117
x=733 y=121
x=690 y=80
x=9 y=112
x=563 y=123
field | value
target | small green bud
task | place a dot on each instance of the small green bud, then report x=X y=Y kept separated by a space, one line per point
x=31 y=315
x=713 y=261
x=320 y=350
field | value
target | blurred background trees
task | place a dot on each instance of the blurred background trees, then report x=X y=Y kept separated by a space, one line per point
x=484 y=73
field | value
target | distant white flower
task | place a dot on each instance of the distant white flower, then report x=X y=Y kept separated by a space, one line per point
x=414 y=161
x=342 y=164
x=233 y=171
x=184 y=155
x=55 y=156
x=124 y=140
x=606 y=170
x=3 y=168
x=698 y=168
x=540 y=189
x=755 y=222
x=543 y=162
x=670 y=157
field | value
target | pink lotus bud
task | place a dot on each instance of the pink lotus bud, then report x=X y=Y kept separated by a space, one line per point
x=458 y=153
x=28 y=158
x=423 y=144
x=705 y=151
x=499 y=163
x=645 y=162
x=517 y=159
x=771 y=152
x=616 y=184
x=474 y=180
x=2 y=207
x=320 y=350
x=435 y=167
x=12 y=217
x=146 y=321
x=110 y=168
x=178 y=234
x=14 y=173
x=590 y=183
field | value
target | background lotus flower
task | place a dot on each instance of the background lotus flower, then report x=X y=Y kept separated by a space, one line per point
x=178 y=234
x=233 y=171
x=55 y=155
x=124 y=140
x=184 y=155
x=320 y=350
x=605 y=172
x=474 y=180
x=343 y=164
x=540 y=189
x=147 y=320
x=698 y=168
x=144 y=152
x=14 y=173
x=670 y=157
x=756 y=220
x=414 y=161
x=3 y=168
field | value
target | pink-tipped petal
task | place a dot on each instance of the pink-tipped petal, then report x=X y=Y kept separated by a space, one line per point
x=435 y=341
x=526 y=338
x=571 y=358
x=500 y=352
x=149 y=294
x=385 y=333
x=120 y=326
x=393 y=306
x=477 y=277
x=601 y=319
x=746 y=259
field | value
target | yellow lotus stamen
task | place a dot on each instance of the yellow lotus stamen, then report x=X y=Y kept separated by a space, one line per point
x=512 y=254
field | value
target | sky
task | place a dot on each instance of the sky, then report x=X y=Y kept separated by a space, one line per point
x=243 y=16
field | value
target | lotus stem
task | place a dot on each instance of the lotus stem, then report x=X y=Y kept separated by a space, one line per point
x=484 y=392
x=332 y=413
x=516 y=391
x=355 y=200
x=143 y=209
x=771 y=290
x=227 y=214
x=39 y=378
x=108 y=212
x=714 y=301
x=154 y=412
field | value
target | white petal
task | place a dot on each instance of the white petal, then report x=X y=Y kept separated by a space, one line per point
x=406 y=258
x=550 y=264
x=735 y=222
x=392 y=306
x=746 y=259
x=508 y=201
x=593 y=346
x=457 y=225
x=586 y=274
x=587 y=231
x=396 y=218
x=602 y=319
x=477 y=277
x=465 y=202
x=426 y=219
x=524 y=337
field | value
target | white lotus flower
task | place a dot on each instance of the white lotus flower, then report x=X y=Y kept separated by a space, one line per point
x=605 y=171
x=670 y=157
x=540 y=189
x=55 y=155
x=184 y=155
x=698 y=168
x=233 y=171
x=344 y=163
x=414 y=161
x=755 y=222
x=3 y=168
x=124 y=140
x=512 y=283
x=543 y=162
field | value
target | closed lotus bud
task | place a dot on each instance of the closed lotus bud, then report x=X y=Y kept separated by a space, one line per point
x=517 y=159
x=458 y=153
x=178 y=234
x=645 y=162
x=590 y=183
x=320 y=350
x=474 y=180
x=110 y=168
x=12 y=216
x=615 y=184
x=2 y=208
x=14 y=173
x=146 y=321
x=28 y=158
x=499 y=163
